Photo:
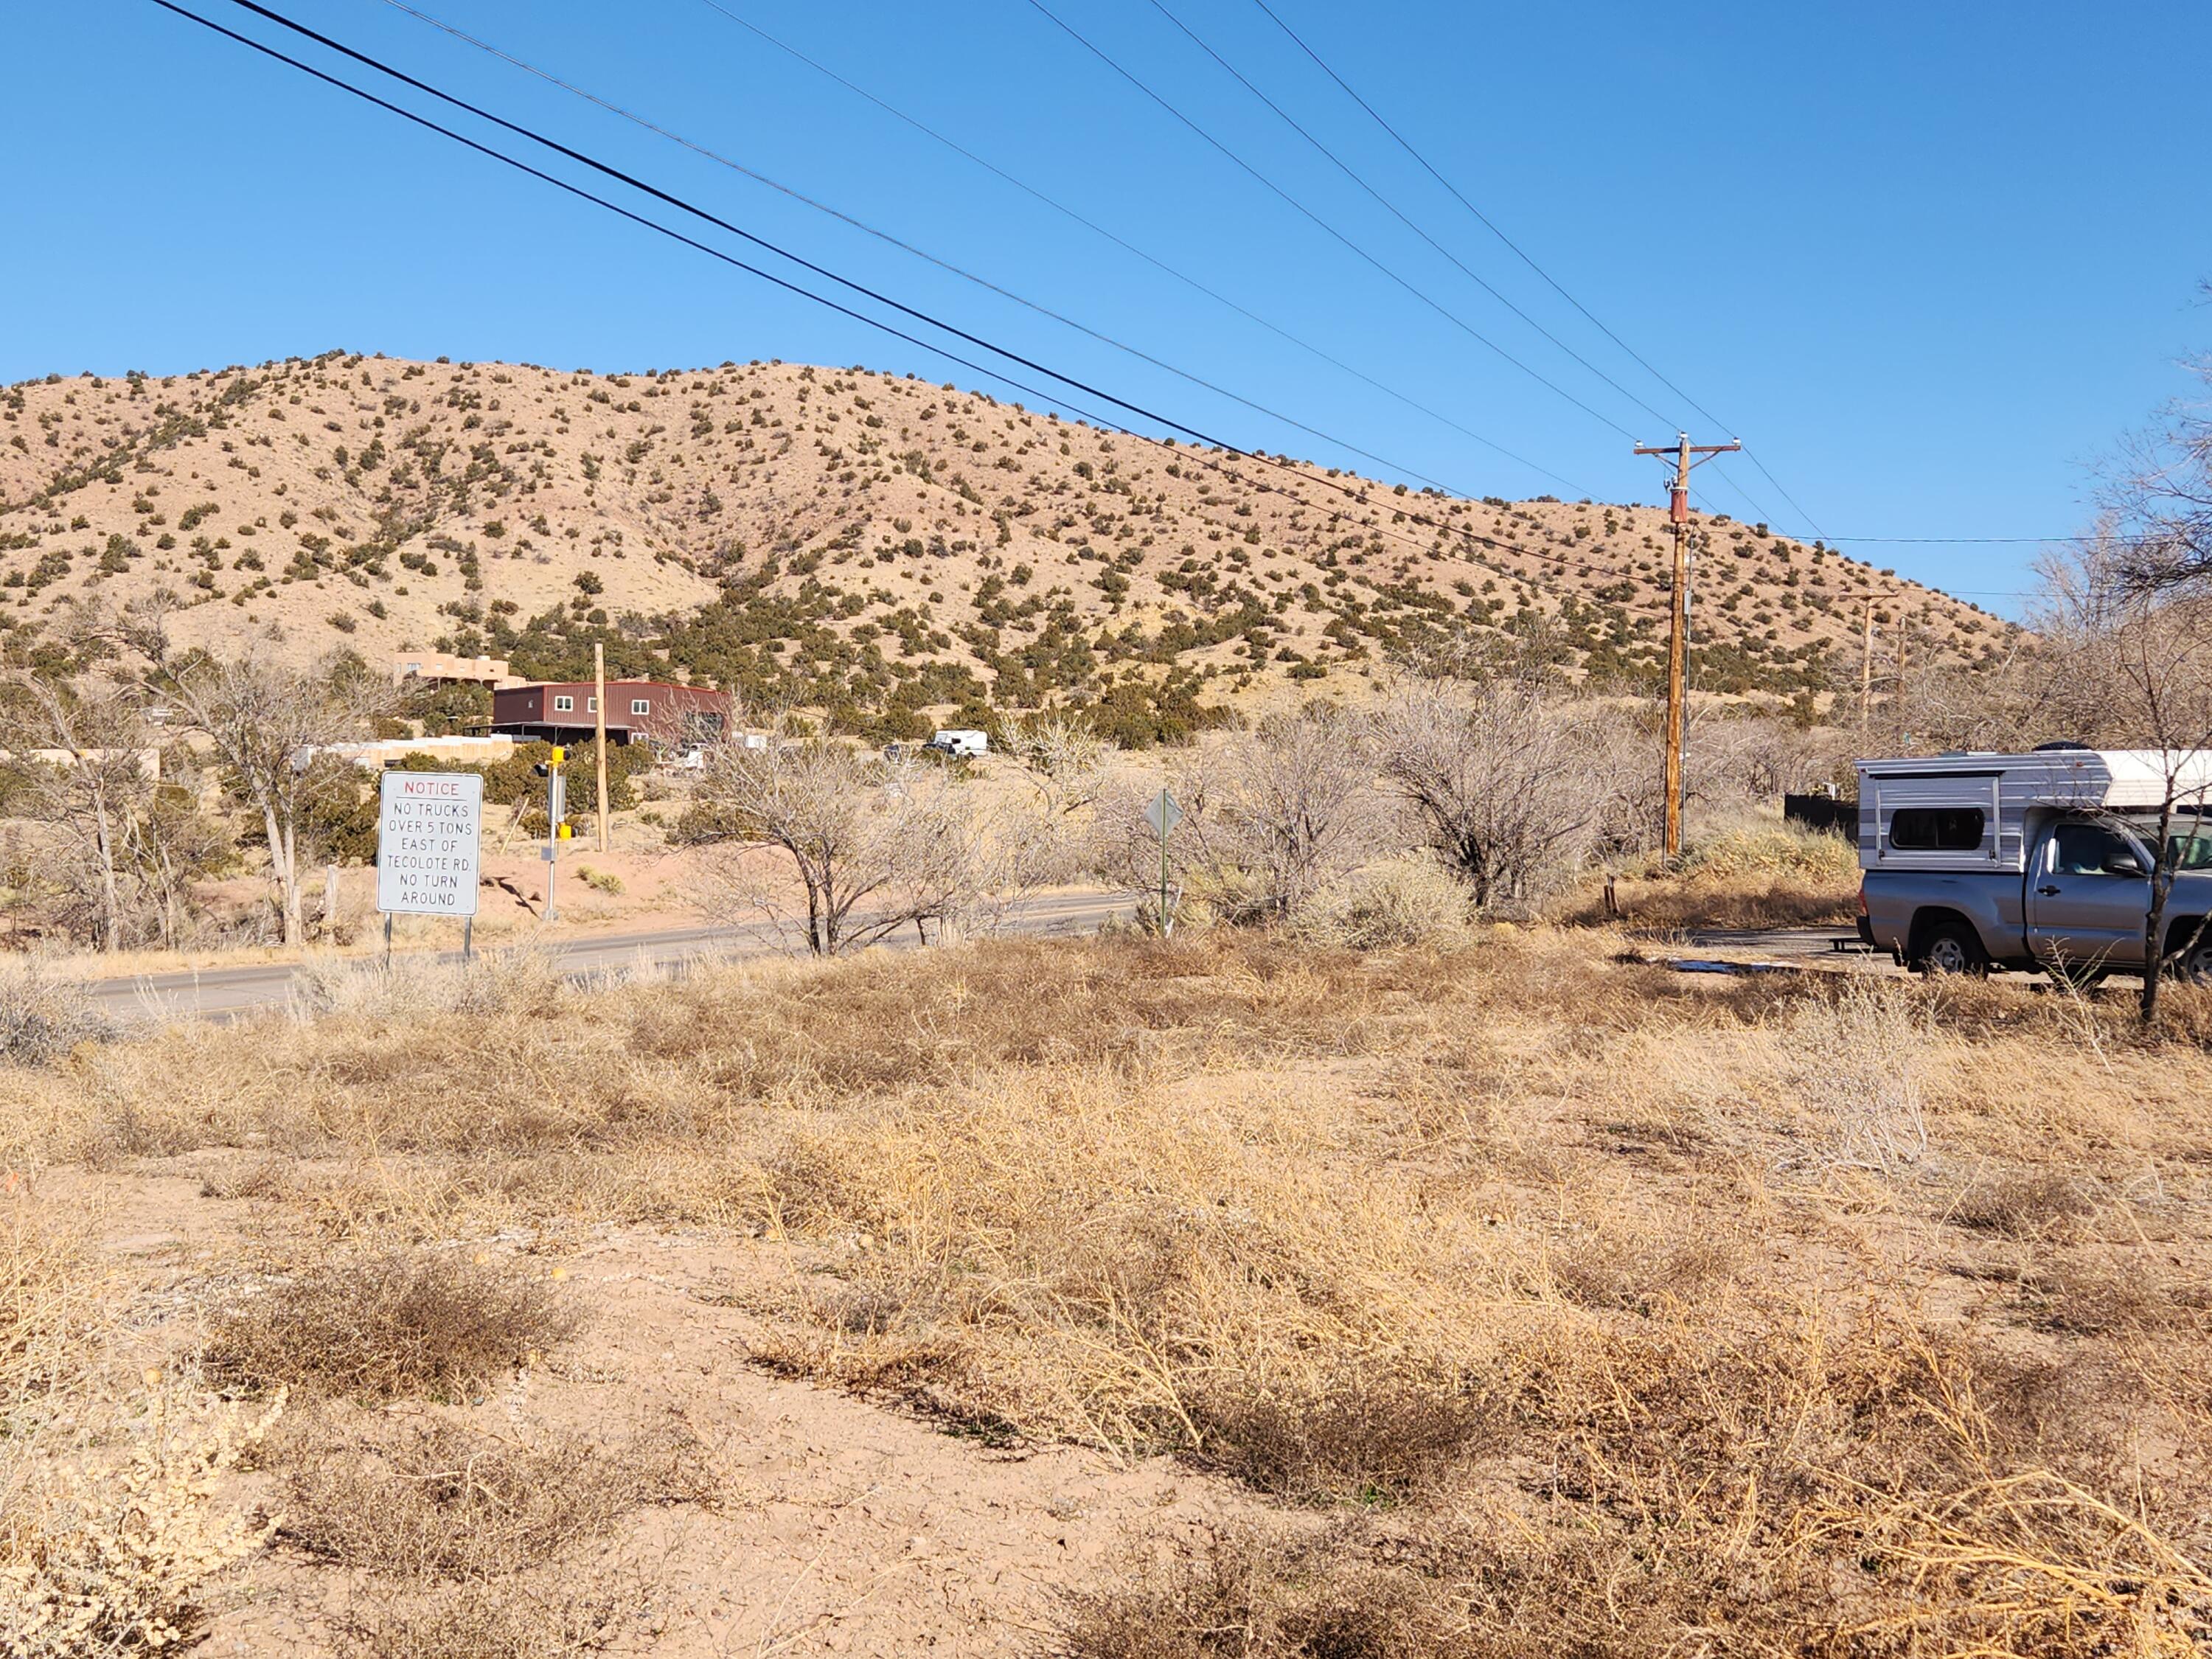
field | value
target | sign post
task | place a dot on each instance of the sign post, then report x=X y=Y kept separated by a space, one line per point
x=1164 y=814
x=557 y=809
x=429 y=841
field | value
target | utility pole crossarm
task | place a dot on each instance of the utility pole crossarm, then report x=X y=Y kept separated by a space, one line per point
x=1677 y=515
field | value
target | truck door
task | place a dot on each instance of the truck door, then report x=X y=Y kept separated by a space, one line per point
x=2083 y=904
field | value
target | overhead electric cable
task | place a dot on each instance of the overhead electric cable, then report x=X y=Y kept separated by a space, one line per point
x=731 y=259
x=1129 y=247
x=1557 y=287
x=1426 y=299
x=1487 y=223
x=943 y=265
x=1395 y=212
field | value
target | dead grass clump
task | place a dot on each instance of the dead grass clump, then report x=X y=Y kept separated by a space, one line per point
x=1635 y=1275
x=380 y=1326
x=522 y=981
x=489 y=1621
x=43 y=1020
x=2043 y=1205
x=1363 y=1436
x=1663 y=1487
x=1859 y=1060
x=438 y=1501
x=1345 y=1592
x=50 y=1304
x=2093 y=1295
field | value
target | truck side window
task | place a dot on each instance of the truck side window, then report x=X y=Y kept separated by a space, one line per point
x=2085 y=849
x=1936 y=829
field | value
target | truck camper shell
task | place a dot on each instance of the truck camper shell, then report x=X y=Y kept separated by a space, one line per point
x=1979 y=811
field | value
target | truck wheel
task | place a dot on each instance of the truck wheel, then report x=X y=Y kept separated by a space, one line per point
x=1951 y=947
x=2195 y=965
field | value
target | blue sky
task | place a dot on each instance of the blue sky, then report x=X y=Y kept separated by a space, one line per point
x=1928 y=261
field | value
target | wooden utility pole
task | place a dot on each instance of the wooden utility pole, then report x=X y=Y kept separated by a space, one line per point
x=1899 y=701
x=1866 y=671
x=1678 y=514
x=600 y=731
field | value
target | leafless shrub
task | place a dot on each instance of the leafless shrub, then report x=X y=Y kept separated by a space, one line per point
x=876 y=845
x=1410 y=900
x=382 y=1326
x=1302 y=798
x=1498 y=772
x=43 y=1020
x=440 y=1502
x=1269 y=815
x=1065 y=763
x=266 y=718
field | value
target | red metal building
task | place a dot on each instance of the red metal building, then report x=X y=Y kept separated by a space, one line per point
x=638 y=711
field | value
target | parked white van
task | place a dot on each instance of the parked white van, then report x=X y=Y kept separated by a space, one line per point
x=963 y=744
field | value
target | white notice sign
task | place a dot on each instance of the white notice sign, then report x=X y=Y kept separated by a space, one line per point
x=427 y=829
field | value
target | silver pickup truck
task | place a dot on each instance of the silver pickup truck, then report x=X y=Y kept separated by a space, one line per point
x=2039 y=861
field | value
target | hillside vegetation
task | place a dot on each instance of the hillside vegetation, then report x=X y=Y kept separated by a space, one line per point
x=853 y=542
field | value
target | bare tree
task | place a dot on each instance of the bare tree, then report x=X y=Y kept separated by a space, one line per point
x=1064 y=762
x=2131 y=664
x=875 y=845
x=1302 y=795
x=265 y=720
x=1498 y=770
x=2157 y=494
x=95 y=772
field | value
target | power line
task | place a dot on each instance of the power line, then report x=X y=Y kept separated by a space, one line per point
x=1482 y=218
x=1751 y=455
x=904 y=246
x=1557 y=287
x=1392 y=208
x=1426 y=299
x=1355 y=494
x=1157 y=262
x=1000 y=376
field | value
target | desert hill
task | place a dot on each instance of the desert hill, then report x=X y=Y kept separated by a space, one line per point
x=852 y=540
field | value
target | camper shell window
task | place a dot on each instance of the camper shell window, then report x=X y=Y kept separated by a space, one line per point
x=1937 y=829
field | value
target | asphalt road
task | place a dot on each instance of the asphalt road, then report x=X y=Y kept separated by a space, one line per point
x=224 y=993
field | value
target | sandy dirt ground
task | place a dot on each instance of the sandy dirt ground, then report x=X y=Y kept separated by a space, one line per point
x=838 y=1526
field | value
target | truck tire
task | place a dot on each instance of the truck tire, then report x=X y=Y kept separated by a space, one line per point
x=2195 y=964
x=1946 y=946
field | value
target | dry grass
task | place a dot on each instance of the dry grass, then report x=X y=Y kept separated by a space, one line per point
x=482 y=1621
x=1550 y=1303
x=1761 y=874
x=380 y=1326
x=441 y=1502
